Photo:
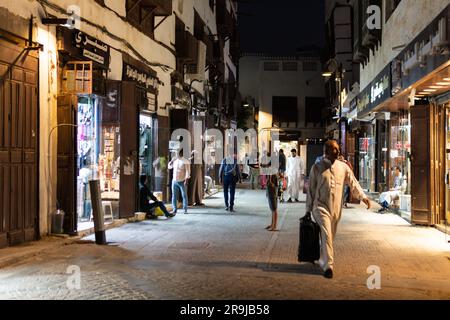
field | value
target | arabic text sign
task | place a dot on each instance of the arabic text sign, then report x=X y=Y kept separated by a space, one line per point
x=92 y=48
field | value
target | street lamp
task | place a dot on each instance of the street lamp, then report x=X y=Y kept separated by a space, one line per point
x=335 y=67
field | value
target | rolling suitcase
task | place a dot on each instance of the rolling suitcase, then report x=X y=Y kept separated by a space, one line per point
x=309 y=245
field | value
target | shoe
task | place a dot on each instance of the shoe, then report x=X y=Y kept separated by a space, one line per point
x=227 y=208
x=173 y=213
x=170 y=215
x=290 y=200
x=382 y=210
x=328 y=274
x=199 y=204
x=185 y=212
x=296 y=200
x=232 y=210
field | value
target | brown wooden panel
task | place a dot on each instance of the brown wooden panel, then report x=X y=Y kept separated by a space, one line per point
x=16 y=237
x=17 y=74
x=4 y=196
x=34 y=119
x=6 y=114
x=18 y=144
x=30 y=198
x=31 y=78
x=3 y=115
x=27 y=117
x=3 y=240
x=420 y=165
x=14 y=114
x=16 y=157
x=129 y=118
x=29 y=157
x=4 y=156
x=66 y=170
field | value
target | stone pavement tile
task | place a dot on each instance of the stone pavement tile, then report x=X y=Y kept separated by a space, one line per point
x=210 y=254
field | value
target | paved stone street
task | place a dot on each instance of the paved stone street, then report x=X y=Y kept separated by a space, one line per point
x=210 y=254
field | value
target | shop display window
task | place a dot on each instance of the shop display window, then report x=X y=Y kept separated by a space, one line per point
x=367 y=163
x=400 y=148
x=98 y=158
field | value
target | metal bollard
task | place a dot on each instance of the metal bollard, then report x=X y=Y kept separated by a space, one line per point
x=99 y=219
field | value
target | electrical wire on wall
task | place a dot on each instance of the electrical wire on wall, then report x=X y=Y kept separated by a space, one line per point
x=57 y=8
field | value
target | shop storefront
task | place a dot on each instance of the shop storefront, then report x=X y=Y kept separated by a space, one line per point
x=373 y=138
x=139 y=125
x=418 y=126
x=82 y=69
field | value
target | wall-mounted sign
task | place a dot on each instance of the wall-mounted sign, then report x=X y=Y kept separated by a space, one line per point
x=378 y=91
x=180 y=97
x=82 y=46
x=143 y=78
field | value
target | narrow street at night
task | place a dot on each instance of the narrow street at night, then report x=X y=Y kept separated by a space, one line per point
x=212 y=254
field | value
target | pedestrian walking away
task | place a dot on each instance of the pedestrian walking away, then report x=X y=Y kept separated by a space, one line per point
x=181 y=174
x=324 y=200
x=145 y=195
x=229 y=175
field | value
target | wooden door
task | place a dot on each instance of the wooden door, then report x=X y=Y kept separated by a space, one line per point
x=19 y=155
x=420 y=165
x=67 y=155
x=129 y=169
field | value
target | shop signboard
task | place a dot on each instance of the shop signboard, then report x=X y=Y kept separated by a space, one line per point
x=143 y=78
x=180 y=97
x=82 y=46
x=147 y=83
x=378 y=91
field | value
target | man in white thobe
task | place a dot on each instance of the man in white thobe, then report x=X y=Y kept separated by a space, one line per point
x=295 y=171
x=387 y=198
x=325 y=199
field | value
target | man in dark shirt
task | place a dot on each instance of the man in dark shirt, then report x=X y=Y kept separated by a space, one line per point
x=282 y=162
x=229 y=175
x=145 y=195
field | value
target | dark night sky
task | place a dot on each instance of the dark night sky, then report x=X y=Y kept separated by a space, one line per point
x=281 y=26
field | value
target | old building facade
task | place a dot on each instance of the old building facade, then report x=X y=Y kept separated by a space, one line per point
x=94 y=89
x=402 y=48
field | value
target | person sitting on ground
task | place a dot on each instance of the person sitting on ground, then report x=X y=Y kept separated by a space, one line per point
x=144 y=204
x=387 y=198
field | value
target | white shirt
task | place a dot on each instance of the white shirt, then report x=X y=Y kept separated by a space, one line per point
x=181 y=169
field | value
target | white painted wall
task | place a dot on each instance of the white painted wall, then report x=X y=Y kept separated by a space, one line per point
x=263 y=85
x=409 y=19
